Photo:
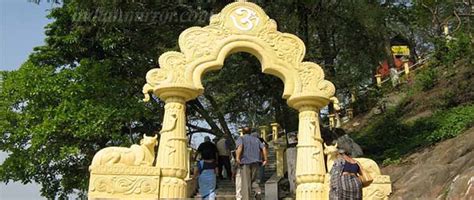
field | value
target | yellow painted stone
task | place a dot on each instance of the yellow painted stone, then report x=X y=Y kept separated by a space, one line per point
x=240 y=27
x=244 y=27
x=335 y=102
x=275 y=127
x=124 y=182
x=406 y=68
x=379 y=80
x=332 y=121
x=125 y=173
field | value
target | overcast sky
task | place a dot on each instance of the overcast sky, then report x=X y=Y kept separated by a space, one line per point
x=21 y=28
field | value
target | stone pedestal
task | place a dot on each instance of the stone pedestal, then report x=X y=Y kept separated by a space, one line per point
x=280 y=159
x=124 y=182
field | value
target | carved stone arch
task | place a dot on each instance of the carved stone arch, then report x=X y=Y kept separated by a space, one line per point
x=241 y=26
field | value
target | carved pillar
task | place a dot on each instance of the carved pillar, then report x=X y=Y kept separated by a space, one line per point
x=280 y=160
x=337 y=120
x=310 y=169
x=379 y=80
x=172 y=153
x=332 y=121
x=275 y=127
x=407 y=68
x=263 y=132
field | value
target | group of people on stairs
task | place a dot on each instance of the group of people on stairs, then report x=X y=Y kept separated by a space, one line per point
x=249 y=157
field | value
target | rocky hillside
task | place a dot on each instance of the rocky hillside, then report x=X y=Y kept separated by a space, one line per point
x=442 y=171
x=424 y=139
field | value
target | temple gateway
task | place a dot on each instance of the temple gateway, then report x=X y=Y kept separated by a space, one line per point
x=129 y=173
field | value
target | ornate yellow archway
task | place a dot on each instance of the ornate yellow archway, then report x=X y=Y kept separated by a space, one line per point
x=240 y=27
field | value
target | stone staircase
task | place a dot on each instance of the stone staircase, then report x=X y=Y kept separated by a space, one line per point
x=226 y=188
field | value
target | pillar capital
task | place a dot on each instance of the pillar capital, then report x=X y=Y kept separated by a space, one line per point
x=312 y=102
x=174 y=93
x=275 y=127
x=263 y=132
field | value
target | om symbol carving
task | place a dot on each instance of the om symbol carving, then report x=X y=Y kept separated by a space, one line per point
x=248 y=20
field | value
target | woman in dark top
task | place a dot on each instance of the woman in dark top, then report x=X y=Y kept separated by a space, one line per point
x=345 y=183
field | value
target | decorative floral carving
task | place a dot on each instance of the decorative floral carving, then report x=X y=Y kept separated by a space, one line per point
x=327 y=88
x=129 y=170
x=202 y=44
x=196 y=42
x=124 y=185
x=174 y=62
x=216 y=20
x=287 y=47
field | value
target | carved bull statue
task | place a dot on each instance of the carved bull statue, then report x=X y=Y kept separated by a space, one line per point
x=136 y=155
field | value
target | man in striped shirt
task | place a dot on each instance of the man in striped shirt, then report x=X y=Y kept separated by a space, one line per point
x=249 y=149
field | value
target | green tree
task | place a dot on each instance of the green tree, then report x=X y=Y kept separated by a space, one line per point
x=81 y=92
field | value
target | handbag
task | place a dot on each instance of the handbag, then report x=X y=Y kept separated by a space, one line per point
x=365 y=177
